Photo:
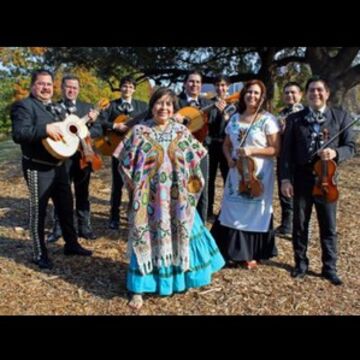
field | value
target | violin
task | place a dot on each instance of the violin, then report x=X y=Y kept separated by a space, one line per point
x=88 y=155
x=249 y=183
x=325 y=171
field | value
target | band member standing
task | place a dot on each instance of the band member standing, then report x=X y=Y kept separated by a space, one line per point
x=128 y=106
x=303 y=136
x=292 y=95
x=70 y=87
x=244 y=228
x=191 y=97
x=33 y=119
x=217 y=122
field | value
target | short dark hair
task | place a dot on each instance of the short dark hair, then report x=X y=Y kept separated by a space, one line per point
x=69 y=77
x=38 y=72
x=220 y=78
x=160 y=92
x=193 y=72
x=292 y=83
x=127 y=79
x=317 y=78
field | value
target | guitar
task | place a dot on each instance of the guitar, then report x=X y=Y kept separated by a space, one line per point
x=107 y=143
x=196 y=119
x=73 y=129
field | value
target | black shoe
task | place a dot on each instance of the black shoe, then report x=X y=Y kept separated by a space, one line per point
x=76 y=250
x=281 y=231
x=298 y=273
x=333 y=278
x=44 y=263
x=88 y=235
x=53 y=237
x=114 y=225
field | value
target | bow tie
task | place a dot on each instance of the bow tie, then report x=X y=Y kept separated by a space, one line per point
x=316 y=117
x=291 y=109
x=70 y=106
x=56 y=110
x=125 y=107
x=68 y=103
x=194 y=103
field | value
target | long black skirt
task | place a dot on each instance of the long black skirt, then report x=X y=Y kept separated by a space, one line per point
x=238 y=245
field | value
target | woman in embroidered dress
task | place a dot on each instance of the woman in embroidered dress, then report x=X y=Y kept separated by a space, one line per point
x=244 y=229
x=170 y=248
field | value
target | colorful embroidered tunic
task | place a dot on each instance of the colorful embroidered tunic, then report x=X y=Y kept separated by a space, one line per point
x=161 y=168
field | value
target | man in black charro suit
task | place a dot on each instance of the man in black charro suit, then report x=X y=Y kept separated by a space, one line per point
x=70 y=86
x=303 y=136
x=128 y=106
x=33 y=119
x=218 y=120
x=292 y=95
x=191 y=97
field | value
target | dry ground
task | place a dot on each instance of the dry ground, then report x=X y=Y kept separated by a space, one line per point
x=96 y=285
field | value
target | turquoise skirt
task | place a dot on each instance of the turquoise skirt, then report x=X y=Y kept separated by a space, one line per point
x=205 y=259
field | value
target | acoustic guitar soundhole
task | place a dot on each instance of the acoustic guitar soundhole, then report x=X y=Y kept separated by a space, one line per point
x=73 y=129
x=186 y=121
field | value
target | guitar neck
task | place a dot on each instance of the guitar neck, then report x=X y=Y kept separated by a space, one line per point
x=85 y=119
x=208 y=107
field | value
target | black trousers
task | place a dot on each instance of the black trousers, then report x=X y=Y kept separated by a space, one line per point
x=81 y=179
x=286 y=204
x=116 y=190
x=45 y=182
x=326 y=215
x=217 y=160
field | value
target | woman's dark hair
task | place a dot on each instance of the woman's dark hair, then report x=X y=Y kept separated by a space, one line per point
x=159 y=93
x=248 y=84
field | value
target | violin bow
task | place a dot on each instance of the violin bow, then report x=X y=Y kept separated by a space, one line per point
x=323 y=146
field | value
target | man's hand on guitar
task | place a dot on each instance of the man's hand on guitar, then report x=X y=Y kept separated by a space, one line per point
x=179 y=118
x=221 y=105
x=53 y=130
x=93 y=114
x=120 y=127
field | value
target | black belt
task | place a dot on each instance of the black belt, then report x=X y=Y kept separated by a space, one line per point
x=42 y=162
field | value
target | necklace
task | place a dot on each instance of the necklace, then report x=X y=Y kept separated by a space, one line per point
x=162 y=134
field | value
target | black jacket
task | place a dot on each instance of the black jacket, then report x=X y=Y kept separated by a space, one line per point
x=217 y=124
x=297 y=150
x=29 y=119
x=202 y=101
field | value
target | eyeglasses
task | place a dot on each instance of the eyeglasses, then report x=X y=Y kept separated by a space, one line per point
x=42 y=83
